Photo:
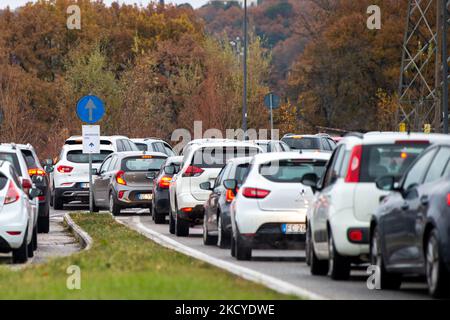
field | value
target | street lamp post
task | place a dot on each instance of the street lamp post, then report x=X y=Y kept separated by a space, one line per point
x=244 y=96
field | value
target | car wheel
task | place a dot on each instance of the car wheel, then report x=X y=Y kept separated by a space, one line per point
x=94 y=207
x=44 y=224
x=339 y=266
x=113 y=207
x=171 y=224
x=181 y=227
x=233 y=246
x=317 y=267
x=243 y=252
x=158 y=217
x=58 y=203
x=223 y=239
x=308 y=246
x=386 y=280
x=208 y=240
x=436 y=273
x=20 y=255
x=35 y=238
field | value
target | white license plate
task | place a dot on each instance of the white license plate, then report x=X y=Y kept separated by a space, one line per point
x=145 y=196
x=297 y=228
x=85 y=185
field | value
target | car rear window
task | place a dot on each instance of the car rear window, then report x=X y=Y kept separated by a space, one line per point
x=141 y=146
x=388 y=159
x=217 y=157
x=241 y=173
x=3 y=181
x=80 y=141
x=291 y=171
x=29 y=159
x=142 y=163
x=11 y=158
x=77 y=156
x=303 y=143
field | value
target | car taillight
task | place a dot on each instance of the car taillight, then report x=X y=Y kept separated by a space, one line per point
x=448 y=199
x=354 y=167
x=193 y=171
x=26 y=185
x=120 y=179
x=164 y=183
x=36 y=172
x=229 y=196
x=255 y=193
x=187 y=210
x=64 y=169
x=12 y=195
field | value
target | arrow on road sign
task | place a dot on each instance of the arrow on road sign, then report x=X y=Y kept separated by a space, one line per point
x=90 y=106
x=91 y=145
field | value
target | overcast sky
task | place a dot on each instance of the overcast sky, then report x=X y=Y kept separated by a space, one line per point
x=17 y=3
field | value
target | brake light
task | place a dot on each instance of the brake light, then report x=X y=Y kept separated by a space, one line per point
x=412 y=142
x=355 y=235
x=255 y=193
x=187 y=210
x=14 y=233
x=165 y=182
x=229 y=196
x=193 y=171
x=26 y=185
x=121 y=193
x=354 y=167
x=448 y=199
x=120 y=179
x=64 y=169
x=41 y=198
x=36 y=172
x=12 y=195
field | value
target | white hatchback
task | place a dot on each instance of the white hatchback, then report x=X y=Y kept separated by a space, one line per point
x=270 y=208
x=338 y=221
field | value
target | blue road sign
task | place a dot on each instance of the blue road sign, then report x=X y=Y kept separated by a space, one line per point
x=90 y=109
x=272 y=100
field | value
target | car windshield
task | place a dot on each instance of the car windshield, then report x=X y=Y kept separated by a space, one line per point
x=388 y=159
x=291 y=171
x=142 y=163
x=302 y=143
x=217 y=157
x=241 y=173
x=11 y=158
x=3 y=181
x=77 y=156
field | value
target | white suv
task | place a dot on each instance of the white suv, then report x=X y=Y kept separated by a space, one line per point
x=269 y=210
x=202 y=163
x=347 y=196
x=118 y=143
x=70 y=176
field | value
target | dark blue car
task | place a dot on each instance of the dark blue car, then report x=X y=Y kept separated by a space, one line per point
x=410 y=231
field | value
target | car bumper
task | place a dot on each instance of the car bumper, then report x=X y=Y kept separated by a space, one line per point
x=161 y=202
x=130 y=198
x=9 y=242
x=271 y=236
x=73 y=194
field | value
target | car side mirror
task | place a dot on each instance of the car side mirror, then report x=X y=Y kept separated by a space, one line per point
x=206 y=186
x=311 y=180
x=35 y=192
x=386 y=183
x=230 y=184
x=170 y=170
x=49 y=168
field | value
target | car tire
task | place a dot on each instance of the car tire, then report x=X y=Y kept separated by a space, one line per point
x=436 y=272
x=44 y=224
x=208 y=240
x=387 y=280
x=181 y=227
x=94 y=207
x=308 y=246
x=20 y=255
x=58 y=203
x=339 y=266
x=223 y=239
x=158 y=217
x=171 y=224
x=317 y=267
x=35 y=238
x=243 y=252
x=113 y=207
x=233 y=247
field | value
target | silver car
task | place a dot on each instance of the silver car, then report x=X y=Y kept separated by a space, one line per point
x=125 y=180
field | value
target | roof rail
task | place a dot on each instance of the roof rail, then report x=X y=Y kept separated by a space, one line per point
x=355 y=134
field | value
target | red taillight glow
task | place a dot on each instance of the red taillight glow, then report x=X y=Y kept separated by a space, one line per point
x=26 y=185
x=355 y=235
x=64 y=169
x=14 y=233
x=121 y=193
x=12 y=195
x=41 y=198
x=255 y=193
x=448 y=199
x=164 y=183
x=36 y=172
x=412 y=142
x=229 y=196
x=193 y=171
x=187 y=210
x=354 y=167
x=120 y=179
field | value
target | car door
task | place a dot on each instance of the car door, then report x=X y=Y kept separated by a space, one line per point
x=101 y=183
x=213 y=200
x=400 y=223
x=323 y=202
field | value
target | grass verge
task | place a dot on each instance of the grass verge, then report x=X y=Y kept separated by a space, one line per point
x=123 y=264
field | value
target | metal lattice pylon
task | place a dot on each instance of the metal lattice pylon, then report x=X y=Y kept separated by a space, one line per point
x=420 y=68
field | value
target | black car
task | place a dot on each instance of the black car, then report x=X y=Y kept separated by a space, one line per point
x=40 y=180
x=217 y=220
x=410 y=231
x=161 y=198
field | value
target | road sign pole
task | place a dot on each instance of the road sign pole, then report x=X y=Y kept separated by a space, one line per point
x=271 y=117
x=91 y=198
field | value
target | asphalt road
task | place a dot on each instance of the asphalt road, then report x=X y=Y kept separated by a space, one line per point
x=286 y=265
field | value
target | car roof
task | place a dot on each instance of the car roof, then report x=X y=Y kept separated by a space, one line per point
x=9 y=147
x=314 y=155
x=147 y=140
x=70 y=147
x=232 y=143
x=391 y=137
x=110 y=138
x=238 y=161
x=177 y=159
x=303 y=136
x=140 y=153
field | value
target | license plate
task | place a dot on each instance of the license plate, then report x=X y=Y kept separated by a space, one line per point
x=297 y=228
x=85 y=185
x=145 y=196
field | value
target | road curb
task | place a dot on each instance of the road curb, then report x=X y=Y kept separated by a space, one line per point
x=82 y=236
x=243 y=272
